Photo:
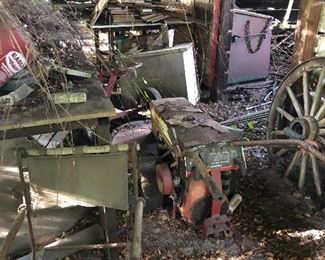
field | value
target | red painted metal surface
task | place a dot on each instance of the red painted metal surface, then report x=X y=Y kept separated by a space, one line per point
x=217 y=226
x=14 y=51
x=218 y=223
x=164 y=179
x=195 y=203
x=214 y=35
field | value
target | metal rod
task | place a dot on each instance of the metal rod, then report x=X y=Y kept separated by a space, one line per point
x=27 y=198
x=86 y=247
x=7 y=242
x=262 y=113
x=135 y=173
x=203 y=171
x=288 y=12
x=137 y=230
x=286 y=142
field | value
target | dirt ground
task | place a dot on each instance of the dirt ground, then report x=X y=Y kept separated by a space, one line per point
x=274 y=221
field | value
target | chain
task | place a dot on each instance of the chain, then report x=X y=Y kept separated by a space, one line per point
x=261 y=37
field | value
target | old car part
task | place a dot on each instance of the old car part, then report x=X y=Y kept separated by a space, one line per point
x=197 y=164
x=298 y=113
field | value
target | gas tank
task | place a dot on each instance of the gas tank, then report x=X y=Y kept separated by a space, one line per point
x=14 y=50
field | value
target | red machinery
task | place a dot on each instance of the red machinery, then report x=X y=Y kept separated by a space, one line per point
x=14 y=52
x=198 y=168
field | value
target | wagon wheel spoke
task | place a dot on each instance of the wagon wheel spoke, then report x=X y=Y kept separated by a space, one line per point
x=320 y=113
x=303 y=170
x=305 y=93
x=285 y=113
x=321 y=140
x=278 y=133
x=281 y=152
x=321 y=131
x=295 y=102
x=293 y=163
x=318 y=93
x=316 y=175
x=298 y=112
x=321 y=123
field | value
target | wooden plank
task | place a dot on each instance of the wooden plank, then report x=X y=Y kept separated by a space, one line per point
x=307 y=28
x=224 y=42
x=139 y=24
x=98 y=105
x=98 y=11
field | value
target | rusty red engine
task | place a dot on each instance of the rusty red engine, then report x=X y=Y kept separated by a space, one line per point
x=198 y=168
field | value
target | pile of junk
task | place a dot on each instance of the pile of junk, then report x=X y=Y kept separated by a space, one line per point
x=144 y=123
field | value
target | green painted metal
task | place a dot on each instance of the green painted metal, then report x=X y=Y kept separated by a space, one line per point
x=79 y=150
x=84 y=179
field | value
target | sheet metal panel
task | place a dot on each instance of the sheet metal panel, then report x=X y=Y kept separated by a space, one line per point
x=86 y=180
x=243 y=65
x=172 y=71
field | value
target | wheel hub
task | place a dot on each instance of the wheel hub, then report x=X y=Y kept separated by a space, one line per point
x=303 y=128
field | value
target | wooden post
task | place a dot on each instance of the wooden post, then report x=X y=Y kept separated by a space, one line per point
x=307 y=28
x=214 y=38
x=216 y=92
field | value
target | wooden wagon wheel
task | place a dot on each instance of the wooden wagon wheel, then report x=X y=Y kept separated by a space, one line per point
x=298 y=112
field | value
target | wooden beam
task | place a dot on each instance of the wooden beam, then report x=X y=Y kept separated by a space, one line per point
x=226 y=21
x=307 y=28
x=214 y=36
x=98 y=11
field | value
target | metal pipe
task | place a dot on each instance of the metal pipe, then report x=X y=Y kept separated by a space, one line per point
x=203 y=171
x=284 y=142
x=137 y=230
x=288 y=12
x=135 y=171
x=86 y=247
